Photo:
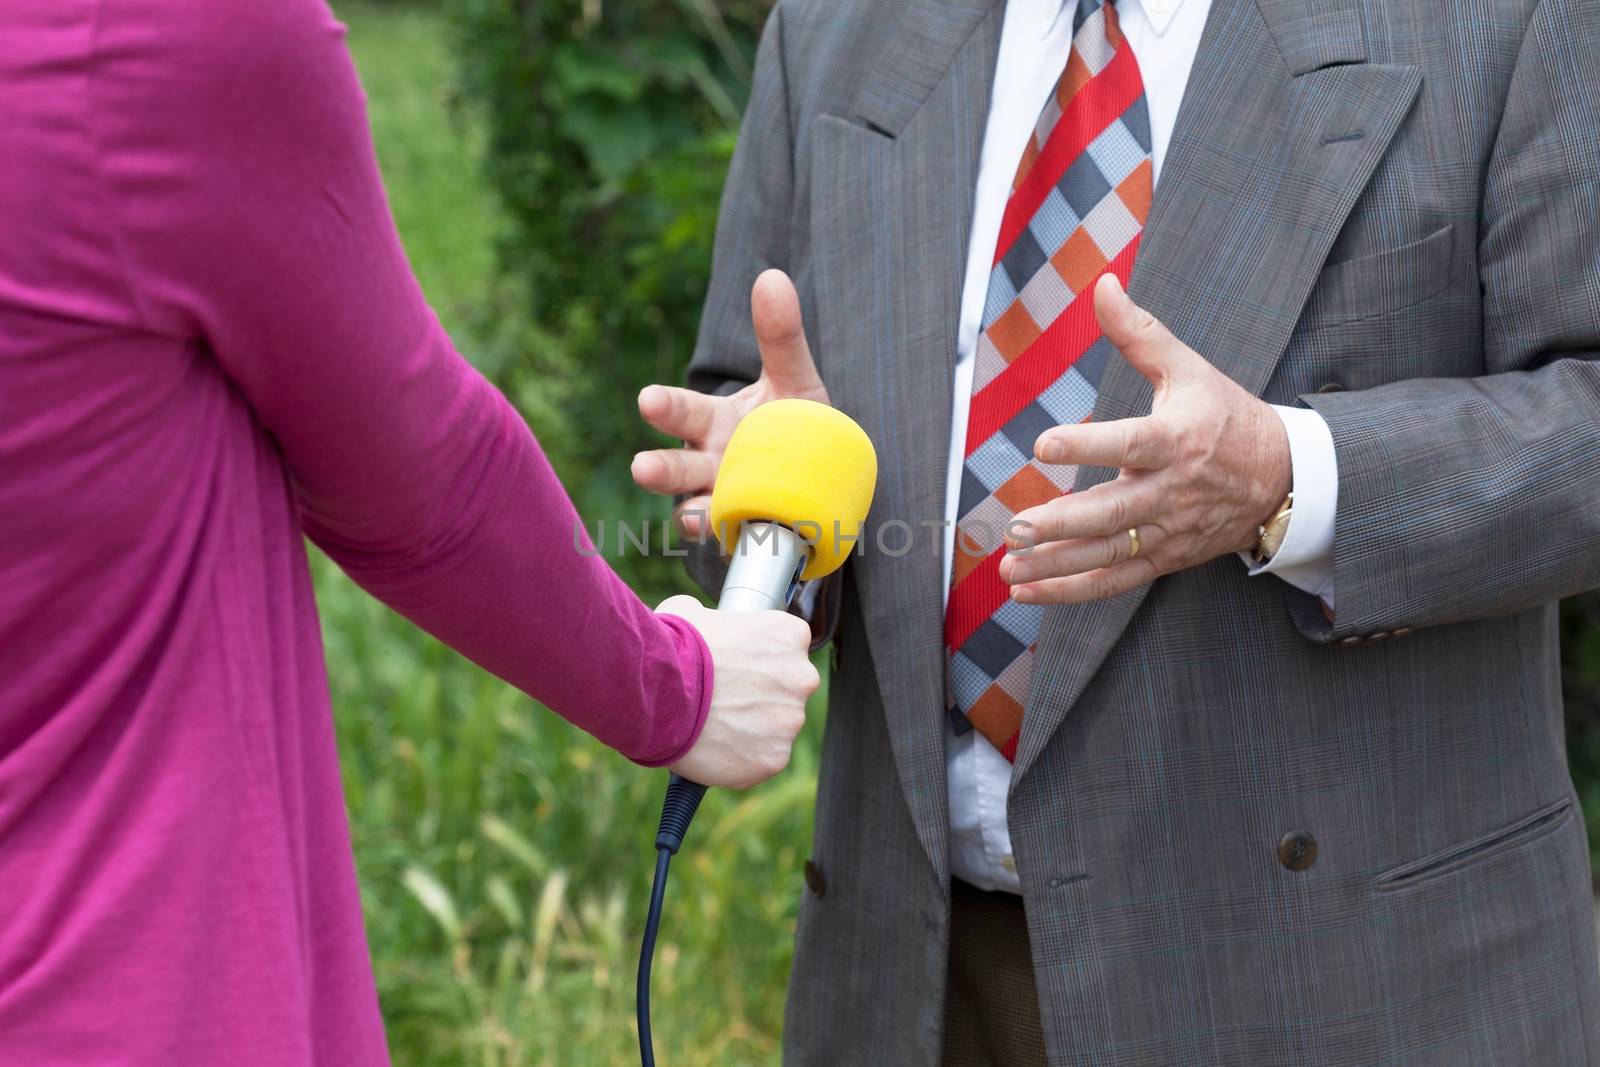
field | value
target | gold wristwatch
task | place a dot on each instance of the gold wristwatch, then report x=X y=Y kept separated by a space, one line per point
x=1270 y=534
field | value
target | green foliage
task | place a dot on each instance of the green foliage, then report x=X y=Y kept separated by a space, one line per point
x=505 y=863
x=610 y=129
x=505 y=857
x=1580 y=674
x=430 y=148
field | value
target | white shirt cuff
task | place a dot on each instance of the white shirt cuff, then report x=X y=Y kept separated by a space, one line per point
x=1305 y=560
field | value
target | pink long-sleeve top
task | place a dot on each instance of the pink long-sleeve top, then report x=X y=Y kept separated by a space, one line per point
x=211 y=346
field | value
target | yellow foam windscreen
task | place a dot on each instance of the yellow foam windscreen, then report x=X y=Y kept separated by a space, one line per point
x=801 y=464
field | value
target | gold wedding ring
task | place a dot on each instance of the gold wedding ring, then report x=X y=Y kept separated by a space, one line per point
x=1133 y=543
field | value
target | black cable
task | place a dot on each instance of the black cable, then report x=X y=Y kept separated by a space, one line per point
x=647 y=1052
x=683 y=798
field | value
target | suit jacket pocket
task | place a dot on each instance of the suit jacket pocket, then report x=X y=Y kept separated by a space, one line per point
x=1373 y=285
x=1531 y=827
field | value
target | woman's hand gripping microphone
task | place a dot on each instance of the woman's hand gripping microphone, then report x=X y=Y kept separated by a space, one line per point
x=758 y=699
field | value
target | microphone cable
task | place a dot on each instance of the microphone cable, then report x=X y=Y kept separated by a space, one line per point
x=790 y=464
x=683 y=799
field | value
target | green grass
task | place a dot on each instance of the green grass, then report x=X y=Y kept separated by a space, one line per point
x=504 y=856
x=429 y=150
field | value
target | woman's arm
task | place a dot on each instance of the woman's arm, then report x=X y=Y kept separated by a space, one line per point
x=244 y=191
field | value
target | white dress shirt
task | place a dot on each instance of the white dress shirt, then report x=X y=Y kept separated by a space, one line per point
x=1034 y=42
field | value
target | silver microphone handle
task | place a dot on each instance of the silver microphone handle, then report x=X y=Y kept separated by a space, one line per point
x=765 y=567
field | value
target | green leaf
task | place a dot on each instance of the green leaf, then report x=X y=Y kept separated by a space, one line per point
x=434 y=898
x=613 y=138
x=578 y=69
x=504 y=900
x=515 y=845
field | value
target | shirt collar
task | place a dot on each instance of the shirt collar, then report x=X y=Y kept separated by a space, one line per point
x=1049 y=12
x=1158 y=13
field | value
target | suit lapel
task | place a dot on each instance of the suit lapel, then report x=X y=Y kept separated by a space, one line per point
x=921 y=54
x=1280 y=129
x=894 y=184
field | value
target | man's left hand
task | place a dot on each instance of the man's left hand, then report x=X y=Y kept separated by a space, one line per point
x=1200 y=473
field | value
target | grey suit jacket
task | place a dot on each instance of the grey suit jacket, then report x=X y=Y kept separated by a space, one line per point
x=1388 y=210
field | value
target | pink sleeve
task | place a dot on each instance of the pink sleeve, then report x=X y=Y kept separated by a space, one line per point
x=251 y=217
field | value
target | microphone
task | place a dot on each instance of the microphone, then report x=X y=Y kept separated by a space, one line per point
x=791 y=496
x=793 y=489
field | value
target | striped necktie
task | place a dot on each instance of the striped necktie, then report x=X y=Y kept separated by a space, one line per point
x=1077 y=207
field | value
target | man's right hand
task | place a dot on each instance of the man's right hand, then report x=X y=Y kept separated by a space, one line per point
x=706 y=422
x=758 y=696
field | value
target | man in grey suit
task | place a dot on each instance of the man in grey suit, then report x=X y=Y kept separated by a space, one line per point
x=1159 y=805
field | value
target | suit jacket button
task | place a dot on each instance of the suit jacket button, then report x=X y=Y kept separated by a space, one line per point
x=1353 y=639
x=814 y=880
x=1379 y=636
x=1404 y=631
x=1297 y=850
x=1330 y=387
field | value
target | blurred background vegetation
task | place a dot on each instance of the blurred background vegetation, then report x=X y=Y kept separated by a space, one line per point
x=554 y=166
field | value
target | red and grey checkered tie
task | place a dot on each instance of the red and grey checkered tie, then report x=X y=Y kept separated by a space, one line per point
x=1077 y=207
